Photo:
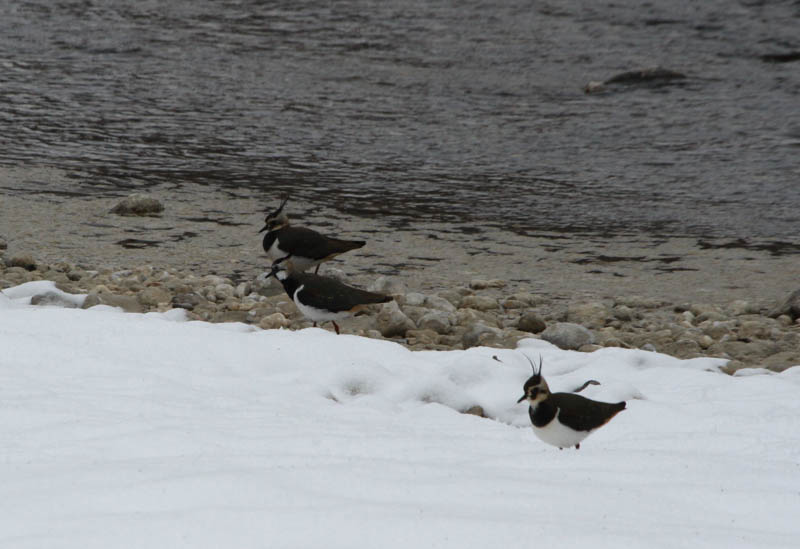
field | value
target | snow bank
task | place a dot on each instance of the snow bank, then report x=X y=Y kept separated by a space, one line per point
x=129 y=430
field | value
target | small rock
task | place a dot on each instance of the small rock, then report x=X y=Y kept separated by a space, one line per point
x=589 y=348
x=789 y=306
x=414 y=299
x=188 y=300
x=3 y=245
x=422 y=337
x=439 y=303
x=591 y=314
x=388 y=286
x=683 y=348
x=274 y=321
x=755 y=329
x=481 y=303
x=440 y=322
x=784 y=360
x=392 y=322
x=154 y=295
x=224 y=291
x=242 y=289
x=705 y=341
x=127 y=303
x=639 y=302
x=474 y=335
x=475 y=411
x=479 y=284
x=531 y=322
x=453 y=296
x=741 y=307
x=716 y=330
x=623 y=313
x=231 y=316
x=733 y=366
x=784 y=320
x=138 y=204
x=52 y=299
x=23 y=261
x=566 y=335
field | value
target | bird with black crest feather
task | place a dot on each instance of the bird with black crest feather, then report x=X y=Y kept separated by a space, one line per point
x=321 y=298
x=307 y=247
x=564 y=419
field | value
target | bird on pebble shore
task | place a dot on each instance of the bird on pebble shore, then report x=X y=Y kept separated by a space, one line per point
x=307 y=247
x=321 y=298
x=564 y=419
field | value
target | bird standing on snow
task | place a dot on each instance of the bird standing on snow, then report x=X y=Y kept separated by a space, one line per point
x=321 y=298
x=564 y=419
x=307 y=247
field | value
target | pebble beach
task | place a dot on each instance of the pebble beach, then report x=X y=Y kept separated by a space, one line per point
x=455 y=286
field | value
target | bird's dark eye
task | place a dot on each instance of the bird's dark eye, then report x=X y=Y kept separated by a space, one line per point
x=534 y=392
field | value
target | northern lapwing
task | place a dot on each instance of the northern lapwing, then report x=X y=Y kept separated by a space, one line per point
x=564 y=419
x=321 y=298
x=307 y=247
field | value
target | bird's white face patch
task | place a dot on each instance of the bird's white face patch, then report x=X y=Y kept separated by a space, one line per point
x=281 y=275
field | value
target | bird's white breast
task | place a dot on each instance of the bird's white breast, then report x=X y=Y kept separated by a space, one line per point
x=558 y=434
x=300 y=263
x=317 y=315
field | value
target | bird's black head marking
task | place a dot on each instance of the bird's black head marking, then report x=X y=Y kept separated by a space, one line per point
x=277 y=219
x=535 y=388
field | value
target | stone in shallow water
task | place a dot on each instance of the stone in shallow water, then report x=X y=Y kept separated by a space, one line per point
x=138 y=204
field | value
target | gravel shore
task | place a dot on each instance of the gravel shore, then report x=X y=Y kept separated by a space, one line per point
x=455 y=285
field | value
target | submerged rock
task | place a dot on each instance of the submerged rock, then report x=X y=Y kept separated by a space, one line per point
x=138 y=204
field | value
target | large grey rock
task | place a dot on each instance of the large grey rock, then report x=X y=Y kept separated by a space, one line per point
x=440 y=322
x=566 y=335
x=138 y=204
x=392 y=322
x=52 y=299
x=789 y=306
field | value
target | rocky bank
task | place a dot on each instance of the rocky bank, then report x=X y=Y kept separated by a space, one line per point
x=481 y=313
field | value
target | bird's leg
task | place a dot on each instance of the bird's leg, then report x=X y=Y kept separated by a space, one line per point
x=317 y=269
x=335 y=326
x=315 y=324
x=578 y=446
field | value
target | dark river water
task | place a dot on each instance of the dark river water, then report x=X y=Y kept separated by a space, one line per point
x=465 y=111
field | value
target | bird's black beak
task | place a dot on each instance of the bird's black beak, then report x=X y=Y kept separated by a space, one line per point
x=264 y=229
x=523 y=397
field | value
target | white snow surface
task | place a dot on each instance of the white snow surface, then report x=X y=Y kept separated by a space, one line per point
x=143 y=431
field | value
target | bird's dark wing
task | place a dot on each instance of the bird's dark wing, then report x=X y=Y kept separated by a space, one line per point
x=304 y=242
x=330 y=294
x=583 y=414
